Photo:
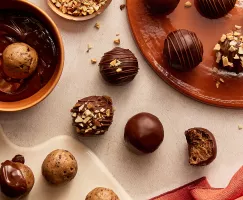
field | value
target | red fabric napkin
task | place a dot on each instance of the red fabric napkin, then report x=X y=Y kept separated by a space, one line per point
x=201 y=190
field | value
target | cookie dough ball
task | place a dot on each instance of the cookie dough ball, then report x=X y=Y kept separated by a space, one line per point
x=101 y=193
x=16 y=179
x=59 y=167
x=19 y=60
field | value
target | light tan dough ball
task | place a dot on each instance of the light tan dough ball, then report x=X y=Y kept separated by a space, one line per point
x=101 y=193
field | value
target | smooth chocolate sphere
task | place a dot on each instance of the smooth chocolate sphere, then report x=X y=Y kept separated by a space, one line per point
x=214 y=9
x=162 y=6
x=202 y=147
x=145 y=132
x=183 y=50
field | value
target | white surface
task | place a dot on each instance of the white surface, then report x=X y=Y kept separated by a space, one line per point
x=141 y=176
x=91 y=172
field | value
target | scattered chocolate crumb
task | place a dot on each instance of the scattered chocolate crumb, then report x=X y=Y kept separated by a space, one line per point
x=122 y=7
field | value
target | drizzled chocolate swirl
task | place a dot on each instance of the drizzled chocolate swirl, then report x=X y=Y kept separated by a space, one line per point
x=183 y=50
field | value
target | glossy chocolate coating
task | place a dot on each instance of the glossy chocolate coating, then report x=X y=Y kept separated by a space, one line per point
x=93 y=115
x=18 y=158
x=122 y=73
x=145 y=132
x=12 y=181
x=162 y=6
x=183 y=50
x=214 y=9
x=202 y=147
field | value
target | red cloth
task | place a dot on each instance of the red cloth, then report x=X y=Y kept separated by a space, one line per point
x=201 y=190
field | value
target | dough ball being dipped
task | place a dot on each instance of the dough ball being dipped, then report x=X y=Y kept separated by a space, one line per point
x=59 y=167
x=19 y=60
x=16 y=179
x=101 y=193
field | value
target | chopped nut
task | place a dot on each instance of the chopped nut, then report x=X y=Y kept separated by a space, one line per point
x=240 y=50
x=89 y=48
x=221 y=80
x=97 y=25
x=188 y=4
x=102 y=110
x=240 y=127
x=115 y=63
x=236 y=56
x=119 y=70
x=225 y=61
x=237 y=33
x=231 y=37
x=78 y=130
x=122 y=6
x=233 y=43
x=74 y=114
x=237 y=27
x=232 y=49
x=217 y=47
x=108 y=112
x=87 y=113
x=93 y=61
x=78 y=119
x=80 y=108
x=218 y=57
x=223 y=38
x=217 y=84
x=117 y=41
x=86 y=120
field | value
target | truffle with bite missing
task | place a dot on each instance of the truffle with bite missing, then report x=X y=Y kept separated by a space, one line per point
x=229 y=51
x=59 y=167
x=144 y=132
x=16 y=179
x=202 y=148
x=162 y=6
x=93 y=115
x=19 y=60
x=118 y=66
x=101 y=193
x=183 y=50
x=214 y=9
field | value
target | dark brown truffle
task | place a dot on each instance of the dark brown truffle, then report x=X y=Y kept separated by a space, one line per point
x=93 y=115
x=202 y=148
x=118 y=66
x=162 y=6
x=183 y=50
x=145 y=132
x=229 y=51
x=214 y=9
x=16 y=179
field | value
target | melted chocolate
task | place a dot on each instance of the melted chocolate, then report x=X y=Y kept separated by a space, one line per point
x=23 y=27
x=12 y=181
x=183 y=50
x=214 y=9
x=124 y=69
x=145 y=132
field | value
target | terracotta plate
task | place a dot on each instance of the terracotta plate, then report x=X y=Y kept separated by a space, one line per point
x=150 y=31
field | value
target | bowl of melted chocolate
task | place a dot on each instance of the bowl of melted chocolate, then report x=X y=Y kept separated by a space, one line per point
x=31 y=55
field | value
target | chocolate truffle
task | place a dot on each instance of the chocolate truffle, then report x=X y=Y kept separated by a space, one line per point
x=183 y=50
x=19 y=60
x=214 y=9
x=162 y=6
x=145 y=132
x=59 y=167
x=93 y=115
x=202 y=148
x=229 y=51
x=118 y=66
x=101 y=193
x=16 y=179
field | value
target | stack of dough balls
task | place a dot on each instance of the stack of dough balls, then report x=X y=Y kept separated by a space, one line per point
x=59 y=167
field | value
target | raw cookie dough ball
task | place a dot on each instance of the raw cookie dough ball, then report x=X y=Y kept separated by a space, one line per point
x=19 y=60
x=101 y=193
x=59 y=167
x=16 y=179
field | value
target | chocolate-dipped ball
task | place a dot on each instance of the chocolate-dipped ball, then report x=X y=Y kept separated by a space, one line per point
x=93 y=115
x=16 y=179
x=214 y=9
x=118 y=66
x=59 y=167
x=19 y=60
x=145 y=132
x=162 y=6
x=101 y=193
x=229 y=51
x=202 y=148
x=183 y=50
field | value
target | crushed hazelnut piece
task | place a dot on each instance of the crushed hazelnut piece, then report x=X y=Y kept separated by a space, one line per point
x=89 y=48
x=115 y=63
x=78 y=119
x=93 y=61
x=118 y=70
x=108 y=112
x=217 y=84
x=240 y=127
x=225 y=61
x=217 y=47
x=117 y=41
x=240 y=50
x=221 y=80
x=74 y=114
x=223 y=38
x=236 y=56
x=218 y=57
x=237 y=34
x=97 y=25
x=188 y=4
x=232 y=49
x=237 y=27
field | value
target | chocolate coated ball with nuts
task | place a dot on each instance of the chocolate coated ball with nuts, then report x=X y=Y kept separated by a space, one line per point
x=101 y=193
x=59 y=167
x=19 y=60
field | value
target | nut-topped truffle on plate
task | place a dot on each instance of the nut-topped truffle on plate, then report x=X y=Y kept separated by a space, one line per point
x=183 y=50
x=93 y=115
x=214 y=9
x=16 y=179
x=119 y=66
x=229 y=51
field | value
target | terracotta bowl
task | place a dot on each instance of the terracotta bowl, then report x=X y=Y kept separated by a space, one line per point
x=24 y=5
x=79 y=18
